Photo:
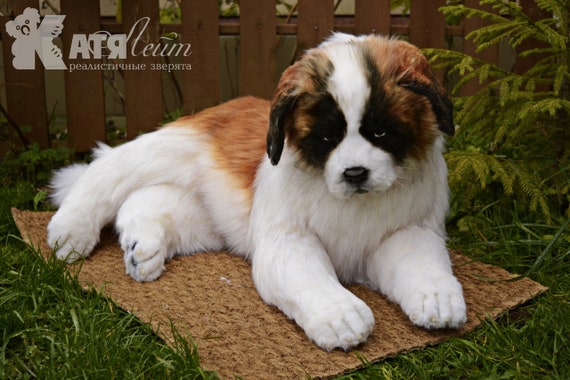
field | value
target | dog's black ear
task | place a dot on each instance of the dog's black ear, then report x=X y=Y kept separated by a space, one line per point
x=278 y=117
x=440 y=103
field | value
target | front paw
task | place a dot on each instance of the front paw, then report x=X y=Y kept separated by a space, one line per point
x=436 y=302
x=144 y=257
x=343 y=324
x=70 y=239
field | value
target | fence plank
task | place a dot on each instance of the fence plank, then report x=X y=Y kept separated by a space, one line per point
x=201 y=84
x=258 y=28
x=488 y=55
x=25 y=89
x=372 y=17
x=315 y=23
x=427 y=24
x=143 y=88
x=84 y=97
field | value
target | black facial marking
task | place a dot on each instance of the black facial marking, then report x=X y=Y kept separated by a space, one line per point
x=378 y=125
x=327 y=129
x=386 y=132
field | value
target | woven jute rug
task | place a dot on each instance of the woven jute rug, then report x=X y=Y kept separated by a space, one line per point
x=211 y=298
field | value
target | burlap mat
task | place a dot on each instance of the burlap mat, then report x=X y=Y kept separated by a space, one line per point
x=211 y=297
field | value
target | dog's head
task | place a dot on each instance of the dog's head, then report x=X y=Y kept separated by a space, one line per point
x=358 y=109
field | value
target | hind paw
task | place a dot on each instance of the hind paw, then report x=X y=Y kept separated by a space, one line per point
x=144 y=257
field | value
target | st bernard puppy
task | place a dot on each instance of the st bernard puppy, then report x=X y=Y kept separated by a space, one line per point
x=353 y=189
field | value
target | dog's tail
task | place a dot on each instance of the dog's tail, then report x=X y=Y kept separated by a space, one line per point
x=63 y=179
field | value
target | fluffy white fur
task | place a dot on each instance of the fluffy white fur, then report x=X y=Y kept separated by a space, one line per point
x=305 y=233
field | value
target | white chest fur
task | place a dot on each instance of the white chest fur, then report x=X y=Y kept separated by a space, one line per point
x=293 y=200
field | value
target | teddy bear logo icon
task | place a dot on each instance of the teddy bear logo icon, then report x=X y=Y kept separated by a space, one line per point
x=35 y=37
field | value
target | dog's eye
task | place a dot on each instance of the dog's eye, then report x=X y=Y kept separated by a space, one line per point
x=27 y=21
x=379 y=134
x=328 y=139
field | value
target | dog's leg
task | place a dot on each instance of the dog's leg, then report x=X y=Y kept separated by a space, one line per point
x=293 y=272
x=86 y=205
x=94 y=200
x=157 y=222
x=412 y=268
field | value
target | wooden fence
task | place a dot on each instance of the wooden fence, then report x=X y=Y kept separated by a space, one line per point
x=258 y=29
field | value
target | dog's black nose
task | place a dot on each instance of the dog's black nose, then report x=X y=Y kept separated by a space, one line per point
x=356 y=175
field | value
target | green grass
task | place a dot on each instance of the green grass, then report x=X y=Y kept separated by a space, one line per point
x=51 y=328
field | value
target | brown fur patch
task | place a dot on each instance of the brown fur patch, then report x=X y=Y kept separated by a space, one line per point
x=305 y=76
x=238 y=130
x=400 y=62
x=415 y=111
x=306 y=81
x=406 y=63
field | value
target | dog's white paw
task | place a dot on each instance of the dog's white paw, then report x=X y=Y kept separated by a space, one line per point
x=71 y=239
x=144 y=256
x=437 y=302
x=343 y=324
